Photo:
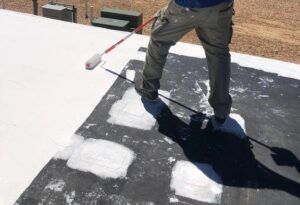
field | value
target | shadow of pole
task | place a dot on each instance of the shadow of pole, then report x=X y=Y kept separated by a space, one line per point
x=230 y=155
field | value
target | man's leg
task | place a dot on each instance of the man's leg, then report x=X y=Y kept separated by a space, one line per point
x=171 y=24
x=215 y=35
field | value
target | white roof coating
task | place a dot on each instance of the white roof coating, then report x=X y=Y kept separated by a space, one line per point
x=45 y=91
x=196 y=181
x=103 y=158
x=130 y=110
x=46 y=94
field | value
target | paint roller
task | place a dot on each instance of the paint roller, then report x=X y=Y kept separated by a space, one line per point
x=97 y=58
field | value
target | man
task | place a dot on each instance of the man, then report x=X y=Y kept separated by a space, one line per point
x=212 y=20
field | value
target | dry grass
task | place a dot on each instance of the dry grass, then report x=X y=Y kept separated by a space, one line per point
x=269 y=28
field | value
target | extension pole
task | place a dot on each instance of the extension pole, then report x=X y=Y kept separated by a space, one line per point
x=97 y=58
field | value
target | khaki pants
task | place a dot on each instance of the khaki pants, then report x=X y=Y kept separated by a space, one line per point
x=213 y=26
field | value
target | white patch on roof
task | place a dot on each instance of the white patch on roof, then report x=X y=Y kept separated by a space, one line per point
x=240 y=120
x=196 y=181
x=70 y=198
x=174 y=199
x=130 y=111
x=263 y=96
x=171 y=159
x=168 y=140
x=235 y=124
x=90 y=125
x=56 y=185
x=130 y=74
x=66 y=152
x=103 y=158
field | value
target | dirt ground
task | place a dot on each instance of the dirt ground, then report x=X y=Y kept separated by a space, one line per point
x=268 y=28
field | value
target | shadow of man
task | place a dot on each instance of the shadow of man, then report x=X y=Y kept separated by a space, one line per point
x=229 y=152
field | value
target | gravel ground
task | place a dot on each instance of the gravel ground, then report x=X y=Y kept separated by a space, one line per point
x=268 y=28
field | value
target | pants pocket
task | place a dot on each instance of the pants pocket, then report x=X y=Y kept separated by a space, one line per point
x=224 y=15
x=228 y=7
x=160 y=21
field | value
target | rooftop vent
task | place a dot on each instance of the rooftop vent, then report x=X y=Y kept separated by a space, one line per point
x=60 y=11
x=119 y=19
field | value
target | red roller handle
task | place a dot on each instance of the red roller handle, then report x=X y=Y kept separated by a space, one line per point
x=133 y=32
x=96 y=59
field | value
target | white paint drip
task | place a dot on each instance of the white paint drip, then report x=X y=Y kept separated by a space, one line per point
x=130 y=74
x=103 y=158
x=278 y=112
x=171 y=159
x=56 y=185
x=294 y=85
x=125 y=138
x=130 y=111
x=262 y=96
x=180 y=114
x=233 y=109
x=198 y=89
x=234 y=90
x=109 y=97
x=90 y=125
x=203 y=104
x=149 y=203
x=168 y=140
x=70 y=198
x=196 y=181
x=66 y=152
x=174 y=199
x=265 y=81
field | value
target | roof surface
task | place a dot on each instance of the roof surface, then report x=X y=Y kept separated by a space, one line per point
x=46 y=96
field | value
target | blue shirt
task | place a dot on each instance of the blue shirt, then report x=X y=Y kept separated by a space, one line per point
x=199 y=3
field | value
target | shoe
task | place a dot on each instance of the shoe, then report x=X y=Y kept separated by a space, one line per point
x=154 y=107
x=149 y=95
x=218 y=120
x=206 y=124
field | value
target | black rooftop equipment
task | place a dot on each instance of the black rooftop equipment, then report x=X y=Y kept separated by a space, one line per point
x=118 y=19
x=60 y=11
